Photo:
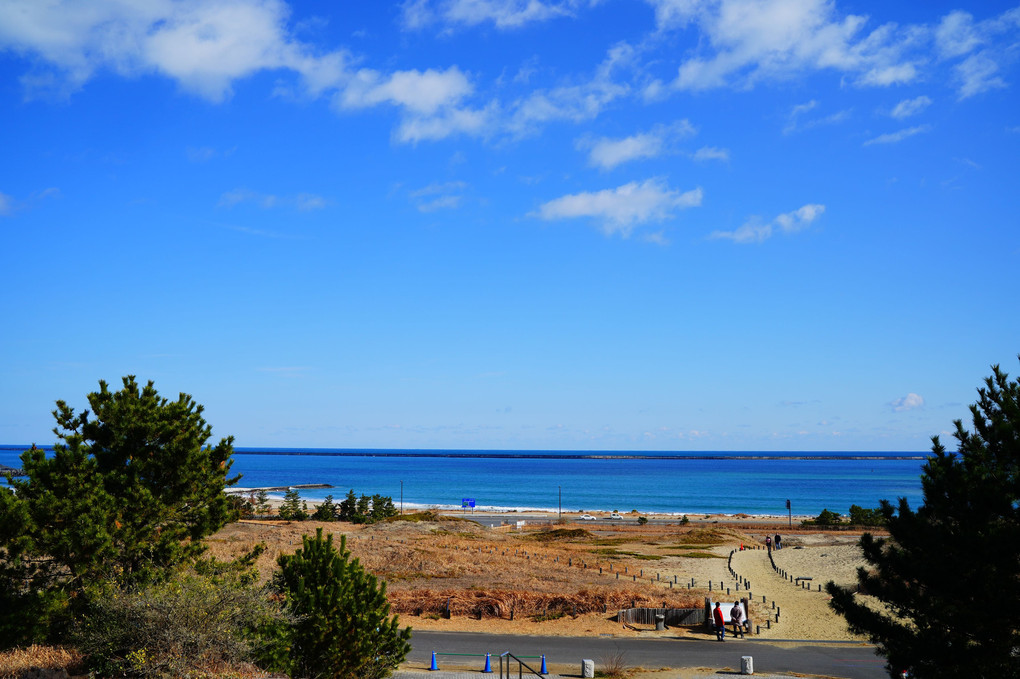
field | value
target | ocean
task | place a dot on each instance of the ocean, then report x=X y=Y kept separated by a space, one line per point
x=649 y=482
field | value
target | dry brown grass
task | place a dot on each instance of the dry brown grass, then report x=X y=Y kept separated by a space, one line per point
x=433 y=562
x=14 y=663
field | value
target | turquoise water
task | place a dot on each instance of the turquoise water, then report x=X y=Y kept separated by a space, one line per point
x=695 y=483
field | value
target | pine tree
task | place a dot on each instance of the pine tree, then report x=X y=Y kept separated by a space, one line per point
x=326 y=511
x=343 y=627
x=293 y=509
x=348 y=507
x=949 y=573
x=127 y=495
x=382 y=507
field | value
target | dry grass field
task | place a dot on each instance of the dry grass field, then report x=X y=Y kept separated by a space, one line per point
x=447 y=573
x=453 y=574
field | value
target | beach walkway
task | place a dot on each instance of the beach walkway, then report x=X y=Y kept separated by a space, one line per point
x=789 y=610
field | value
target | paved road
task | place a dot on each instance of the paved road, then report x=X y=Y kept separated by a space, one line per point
x=839 y=660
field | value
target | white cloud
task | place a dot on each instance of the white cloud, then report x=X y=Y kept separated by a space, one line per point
x=895 y=137
x=203 y=46
x=756 y=231
x=621 y=209
x=711 y=153
x=796 y=123
x=435 y=189
x=6 y=204
x=434 y=197
x=956 y=35
x=446 y=123
x=575 y=103
x=421 y=92
x=440 y=203
x=910 y=107
x=207 y=46
x=748 y=41
x=911 y=401
x=607 y=153
x=430 y=102
x=976 y=74
x=987 y=46
x=309 y=201
x=503 y=14
x=267 y=201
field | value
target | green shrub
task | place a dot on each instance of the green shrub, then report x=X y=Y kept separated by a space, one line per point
x=866 y=517
x=825 y=518
x=214 y=616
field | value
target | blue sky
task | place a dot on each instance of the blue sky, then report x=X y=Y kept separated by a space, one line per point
x=536 y=224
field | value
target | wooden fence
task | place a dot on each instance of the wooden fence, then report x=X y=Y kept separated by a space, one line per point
x=676 y=617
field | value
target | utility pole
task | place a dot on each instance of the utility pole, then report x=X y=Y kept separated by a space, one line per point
x=560 y=490
x=401 y=498
x=790 y=511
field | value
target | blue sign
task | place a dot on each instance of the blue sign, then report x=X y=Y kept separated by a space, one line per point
x=468 y=502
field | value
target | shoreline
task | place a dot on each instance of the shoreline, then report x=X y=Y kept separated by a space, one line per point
x=546 y=514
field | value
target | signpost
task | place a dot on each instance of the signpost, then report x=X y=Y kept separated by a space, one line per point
x=468 y=502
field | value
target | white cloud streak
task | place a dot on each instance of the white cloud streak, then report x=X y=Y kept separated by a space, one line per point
x=898 y=136
x=304 y=202
x=503 y=14
x=910 y=107
x=446 y=196
x=711 y=153
x=621 y=209
x=756 y=231
x=607 y=153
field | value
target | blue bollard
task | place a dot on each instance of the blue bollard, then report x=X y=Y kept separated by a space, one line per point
x=544 y=670
x=434 y=667
x=488 y=664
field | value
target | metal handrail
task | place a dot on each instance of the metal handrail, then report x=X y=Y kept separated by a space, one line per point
x=520 y=666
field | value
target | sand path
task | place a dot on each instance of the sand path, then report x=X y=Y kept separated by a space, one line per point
x=803 y=613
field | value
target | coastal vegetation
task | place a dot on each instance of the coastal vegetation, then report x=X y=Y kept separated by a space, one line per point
x=102 y=550
x=342 y=625
x=126 y=498
x=947 y=569
x=857 y=516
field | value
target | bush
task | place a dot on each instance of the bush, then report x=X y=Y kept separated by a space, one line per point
x=826 y=518
x=866 y=517
x=211 y=617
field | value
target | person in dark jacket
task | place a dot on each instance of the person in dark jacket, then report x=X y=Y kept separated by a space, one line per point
x=737 y=618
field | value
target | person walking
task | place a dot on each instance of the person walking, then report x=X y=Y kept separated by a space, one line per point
x=778 y=542
x=737 y=618
x=768 y=543
x=720 y=622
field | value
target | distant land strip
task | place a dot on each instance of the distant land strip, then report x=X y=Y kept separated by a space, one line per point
x=583 y=456
x=513 y=455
